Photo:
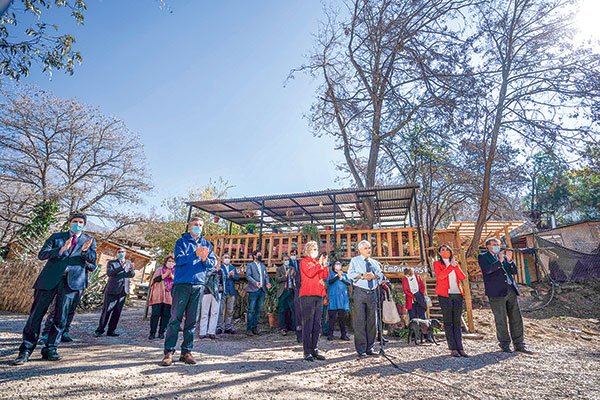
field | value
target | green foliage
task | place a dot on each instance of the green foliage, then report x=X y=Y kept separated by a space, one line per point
x=27 y=37
x=585 y=184
x=311 y=232
x=44 y=215
x=271 y=300
x=551 y=182
x=93 y=296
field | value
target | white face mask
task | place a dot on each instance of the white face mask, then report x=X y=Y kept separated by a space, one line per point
x=170 y=264
x=314 y=253
x=338 y=267
x=226 y=261
x=293 y=258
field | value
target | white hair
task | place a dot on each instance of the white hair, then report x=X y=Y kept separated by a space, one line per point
x=362 y=243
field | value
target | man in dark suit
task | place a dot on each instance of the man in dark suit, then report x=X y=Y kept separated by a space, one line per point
x=498 y=270
x=285 y=294
x=119 y=272
x=70 y=256
x=258 y=282
x=296 y=282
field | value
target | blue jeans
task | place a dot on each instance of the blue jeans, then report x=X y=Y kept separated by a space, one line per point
x=186 y=299
x=255 y=304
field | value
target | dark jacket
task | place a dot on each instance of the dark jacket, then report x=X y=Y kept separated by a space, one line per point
x=230 y=281
x=75 y=263
x=494 y=276
x=297 y=278
x=253 y=277
x=281 y=278
x=118 y=276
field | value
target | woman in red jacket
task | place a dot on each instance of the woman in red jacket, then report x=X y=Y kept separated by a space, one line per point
x=414 y=291
x=450 y=295
x=312 y=274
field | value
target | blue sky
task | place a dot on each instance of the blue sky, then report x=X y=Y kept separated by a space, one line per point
x=203 y=87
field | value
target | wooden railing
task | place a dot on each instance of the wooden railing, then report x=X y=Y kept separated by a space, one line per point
x=388 y=244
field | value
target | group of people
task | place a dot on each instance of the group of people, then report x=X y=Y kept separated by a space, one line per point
x=194 y=281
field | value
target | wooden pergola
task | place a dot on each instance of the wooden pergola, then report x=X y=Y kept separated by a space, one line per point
x=466 y=229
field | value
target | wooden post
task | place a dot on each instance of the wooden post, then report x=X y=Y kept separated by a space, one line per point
x=466 y=286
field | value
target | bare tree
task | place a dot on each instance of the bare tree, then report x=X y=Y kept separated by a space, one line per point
x=385 y=65
x=57 y=148
x=536 y=83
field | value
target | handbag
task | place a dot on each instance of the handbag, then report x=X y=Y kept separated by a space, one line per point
x=390 y=313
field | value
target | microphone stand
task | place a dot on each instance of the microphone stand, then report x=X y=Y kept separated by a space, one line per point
x=380 y=326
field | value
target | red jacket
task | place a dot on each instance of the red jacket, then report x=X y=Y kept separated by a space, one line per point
x=409 y=296
x=442 y=283
x=312 y=275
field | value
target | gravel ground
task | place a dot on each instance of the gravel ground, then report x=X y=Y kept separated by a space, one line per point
x=566 y=365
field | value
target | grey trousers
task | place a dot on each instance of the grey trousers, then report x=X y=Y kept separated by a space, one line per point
x=226 y=313
x=364 y=319
x=507 y=315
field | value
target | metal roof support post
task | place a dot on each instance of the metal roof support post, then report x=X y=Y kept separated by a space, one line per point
x=334 y=222
x=260 y=232
x=187 y=221
x=230 y=227
x=419 y=230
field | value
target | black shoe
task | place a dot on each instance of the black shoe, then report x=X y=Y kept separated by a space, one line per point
x=66 y=338
x=256 y=332
x=219 y=331
x=21 y=359
x=43 y=340
x=249 y=333
x=151 y=337
x=505 y=348
x=98 y=334
x=230 y=331
x=309 y=358
x=113 y=334
x=329 y=337
x=362 y=355
x=521 y=348
x=50 y=355
x=318 y=356
x=345 y=338
x=161 y=335
x=212 y=336
x=370 y=352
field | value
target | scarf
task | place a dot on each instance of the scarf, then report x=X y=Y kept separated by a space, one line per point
x=168 y=280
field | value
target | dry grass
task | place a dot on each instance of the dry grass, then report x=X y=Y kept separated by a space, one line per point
x=16 y=280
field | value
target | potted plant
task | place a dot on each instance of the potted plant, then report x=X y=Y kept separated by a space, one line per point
x=250 y=228
x=271 y=303
x=311 y=232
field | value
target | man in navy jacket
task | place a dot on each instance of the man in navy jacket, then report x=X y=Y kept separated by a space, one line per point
x=498 y=270
x=119 y=272
x=193 y=256
x=70 y=256
x=297 y=283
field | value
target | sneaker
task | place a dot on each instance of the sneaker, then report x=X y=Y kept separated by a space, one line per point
x=167 y=360
x=21 y=359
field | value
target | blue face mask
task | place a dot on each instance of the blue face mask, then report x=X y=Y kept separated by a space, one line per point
x=197 y=230
x=76 y=227
x=286 y=263
x=496 y=249
x=120 y=256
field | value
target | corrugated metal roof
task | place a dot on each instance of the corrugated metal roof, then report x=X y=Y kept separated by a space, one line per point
x=392 y=206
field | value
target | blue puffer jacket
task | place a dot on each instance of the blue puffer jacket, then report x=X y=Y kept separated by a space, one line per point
x=189 y=268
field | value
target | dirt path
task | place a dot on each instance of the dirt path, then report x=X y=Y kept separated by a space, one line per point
x=565 y=366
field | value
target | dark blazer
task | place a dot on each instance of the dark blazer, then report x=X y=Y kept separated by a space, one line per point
x=297 y=277
x=118 y=277
x=253 y=277
x=281 y=279
x=75 y=263
x=230 y=281
x=494 y=277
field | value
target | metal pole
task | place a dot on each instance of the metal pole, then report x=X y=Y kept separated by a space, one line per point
x=334 y=222
x=189 y=216
x=419 y=230
x=262 y=210
x=230 y=227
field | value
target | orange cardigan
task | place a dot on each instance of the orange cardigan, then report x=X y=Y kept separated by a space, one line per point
x=442 y=283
